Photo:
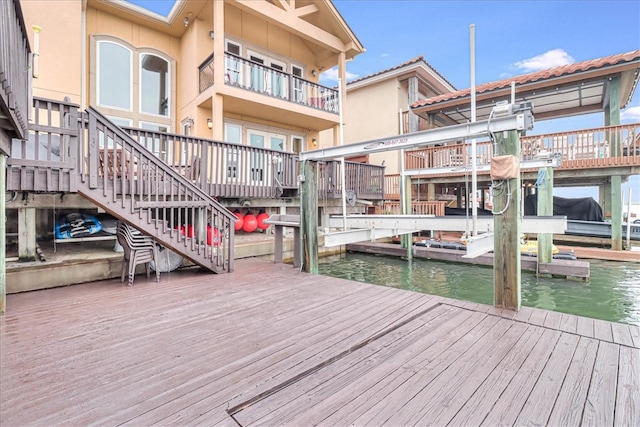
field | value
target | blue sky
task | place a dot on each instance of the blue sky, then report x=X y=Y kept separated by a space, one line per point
x=512 y=38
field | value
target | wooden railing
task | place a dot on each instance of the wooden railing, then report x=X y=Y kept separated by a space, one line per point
x=587 y=148
x=417 y=208
x=15 y=70
x=362 y=181
x=131 y=182
x=47 y=160
x=250 y=75
x=224 y=169
x=423 y=124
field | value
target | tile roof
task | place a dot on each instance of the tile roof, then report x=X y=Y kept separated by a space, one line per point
x=562 y=70
x=412 y=61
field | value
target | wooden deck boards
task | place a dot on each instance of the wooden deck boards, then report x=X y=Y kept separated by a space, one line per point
x=269 y=345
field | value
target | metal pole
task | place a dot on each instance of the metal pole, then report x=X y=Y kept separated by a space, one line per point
x=342 y=165
x=629 y=220
x=474 y=171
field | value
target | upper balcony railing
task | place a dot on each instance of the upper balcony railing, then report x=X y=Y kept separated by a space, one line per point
x=612 y=146
x=256 y=77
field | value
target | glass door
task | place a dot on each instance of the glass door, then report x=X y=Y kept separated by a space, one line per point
x=256 y=168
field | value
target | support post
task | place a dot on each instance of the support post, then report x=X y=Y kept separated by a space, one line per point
x=26 y=234
x=3 y=236
x=309 y=217
x=506 y=259
x=406 y=240
x=545 y=208
x=616 y=212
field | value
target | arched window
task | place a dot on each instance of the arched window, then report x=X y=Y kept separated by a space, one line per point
x=119 y=67
x=154 y=85
x=114 y=74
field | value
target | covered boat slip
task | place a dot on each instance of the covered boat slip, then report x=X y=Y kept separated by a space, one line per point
x=270 y=345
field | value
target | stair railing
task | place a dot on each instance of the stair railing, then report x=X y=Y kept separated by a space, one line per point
x=125 y=178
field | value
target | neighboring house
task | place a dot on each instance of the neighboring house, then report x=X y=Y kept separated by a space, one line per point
x=377 y=106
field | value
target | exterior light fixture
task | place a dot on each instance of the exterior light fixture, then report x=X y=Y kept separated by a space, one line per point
x=186 y=21
x=210 y=123
x=211 y=35
x=314 y=142
x=314 y=72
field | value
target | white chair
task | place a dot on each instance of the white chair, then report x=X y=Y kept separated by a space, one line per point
x=138 y=249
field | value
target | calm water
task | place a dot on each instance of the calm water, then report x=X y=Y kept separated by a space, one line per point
x=613 y=293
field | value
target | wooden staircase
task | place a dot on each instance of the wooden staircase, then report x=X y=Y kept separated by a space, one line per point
x=120 y=175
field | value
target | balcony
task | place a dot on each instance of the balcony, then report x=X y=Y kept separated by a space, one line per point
x=606 y=147
x=255 y=77
x=601 y=151
x=57 y=152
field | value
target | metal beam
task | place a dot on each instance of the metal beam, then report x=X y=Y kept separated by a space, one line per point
x=479 y=245
x=340 y=238
x=522 y=120
x=530 y=224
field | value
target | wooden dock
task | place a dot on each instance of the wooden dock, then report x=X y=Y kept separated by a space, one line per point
x=269 y=345
x=573 y=269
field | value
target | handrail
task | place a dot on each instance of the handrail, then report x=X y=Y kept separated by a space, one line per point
x=223 y=169
x=363 y=181
x=135 y=182
x=586 y=148
x=256 y=77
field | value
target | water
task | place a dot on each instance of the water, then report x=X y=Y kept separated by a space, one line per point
x=613 y=292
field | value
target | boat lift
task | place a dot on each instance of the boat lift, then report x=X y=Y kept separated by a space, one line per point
x=358 y=228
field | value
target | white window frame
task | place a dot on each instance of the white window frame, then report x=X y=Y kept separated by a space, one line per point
x=131 y=61
x=227 y=70
x=297 y=90
x=249 y=74
x=168 y=115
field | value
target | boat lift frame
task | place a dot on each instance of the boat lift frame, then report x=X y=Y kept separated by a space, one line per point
x=362 y=228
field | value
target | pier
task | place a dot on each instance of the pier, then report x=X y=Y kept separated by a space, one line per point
x=270 y=345
x=572 y=269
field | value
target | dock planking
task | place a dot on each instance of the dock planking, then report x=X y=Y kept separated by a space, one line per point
x=271 y=345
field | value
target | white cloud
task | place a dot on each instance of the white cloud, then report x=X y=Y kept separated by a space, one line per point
x=550 y=59
x=631 y=114
x=384 y=55
x=331 y=75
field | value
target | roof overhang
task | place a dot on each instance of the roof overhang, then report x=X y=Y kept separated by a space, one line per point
x=570 y=90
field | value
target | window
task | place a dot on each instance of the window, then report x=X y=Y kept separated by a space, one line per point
x=278 y=81
x=297 y=83
x=296 y=142
x=154 y=85
x=123 y=123
x=257 y=159
x=117 y=68
x=233 y=66
x=157 y=146
x=114 y=75
x=232 y=133
x=257 y=81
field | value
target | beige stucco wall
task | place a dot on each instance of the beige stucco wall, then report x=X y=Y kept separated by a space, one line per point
x=60 y=57
x=62 y=66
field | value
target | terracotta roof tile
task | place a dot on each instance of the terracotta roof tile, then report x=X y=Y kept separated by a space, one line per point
x=535 y=76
